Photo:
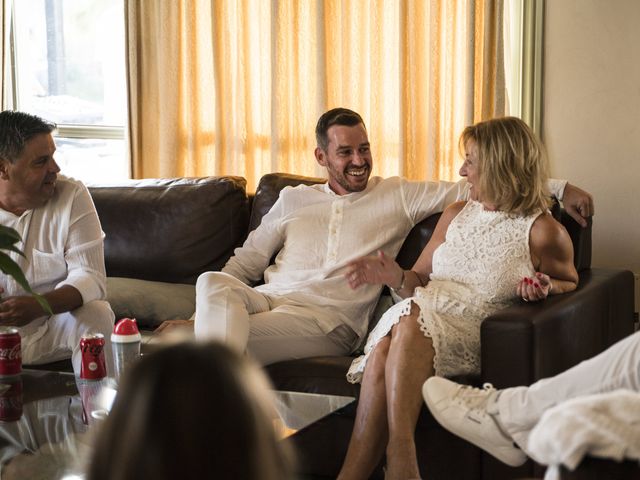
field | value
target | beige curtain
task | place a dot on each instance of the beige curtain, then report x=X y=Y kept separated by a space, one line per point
x=234 y=87
x=4 y=45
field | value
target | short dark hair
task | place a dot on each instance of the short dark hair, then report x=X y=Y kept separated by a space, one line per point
x=16 y=129
x=336 y=116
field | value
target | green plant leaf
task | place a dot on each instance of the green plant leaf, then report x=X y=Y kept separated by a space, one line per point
x=9 y=232
x=9 y=267
x=8 y=237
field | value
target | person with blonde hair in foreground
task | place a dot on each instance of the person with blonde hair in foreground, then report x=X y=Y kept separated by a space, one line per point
x=483 y=255
x=191 y=412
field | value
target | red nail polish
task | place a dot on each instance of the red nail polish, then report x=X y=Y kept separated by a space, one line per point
x=536 y=285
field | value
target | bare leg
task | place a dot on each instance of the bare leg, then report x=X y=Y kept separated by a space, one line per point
x=370 y=433
x=409 y=364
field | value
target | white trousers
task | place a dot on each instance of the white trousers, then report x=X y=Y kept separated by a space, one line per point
x=268 y=328
x=61 y=338
x=618 y=367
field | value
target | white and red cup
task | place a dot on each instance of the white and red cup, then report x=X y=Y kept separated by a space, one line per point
x=125 y=342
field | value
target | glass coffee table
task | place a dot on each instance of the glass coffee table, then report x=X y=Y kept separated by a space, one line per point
x=48 y=420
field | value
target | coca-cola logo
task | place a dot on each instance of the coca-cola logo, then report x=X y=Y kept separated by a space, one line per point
x=13 y=353
x=92 y=349
x=11 y=403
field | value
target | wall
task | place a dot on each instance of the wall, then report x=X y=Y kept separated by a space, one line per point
x=591 y=116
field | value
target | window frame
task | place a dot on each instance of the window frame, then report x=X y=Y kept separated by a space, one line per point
x=10 y=91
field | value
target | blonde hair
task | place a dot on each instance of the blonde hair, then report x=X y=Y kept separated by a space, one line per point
x=513 y=165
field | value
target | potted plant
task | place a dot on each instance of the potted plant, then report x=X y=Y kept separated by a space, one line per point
x=8 y=239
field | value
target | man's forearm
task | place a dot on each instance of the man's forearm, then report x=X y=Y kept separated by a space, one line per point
x=64 y=299
x=20 y=310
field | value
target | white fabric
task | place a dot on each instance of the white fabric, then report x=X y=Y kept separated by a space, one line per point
x=316 y=233
x=270 y=328
x=63 y=245
x=556 y=187
x=475 y=272
x=605 y=425
x=618 y=367
x=62 y=332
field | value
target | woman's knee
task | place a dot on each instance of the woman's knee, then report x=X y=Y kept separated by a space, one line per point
x=408 y=325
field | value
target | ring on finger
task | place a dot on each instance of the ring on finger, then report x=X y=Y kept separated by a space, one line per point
x=523 y=298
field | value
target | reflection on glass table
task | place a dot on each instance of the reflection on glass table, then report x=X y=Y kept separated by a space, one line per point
x=48 y=421
x=297 y=410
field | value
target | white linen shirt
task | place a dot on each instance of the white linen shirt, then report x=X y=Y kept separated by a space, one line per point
x=63 y=245
x=316 y=233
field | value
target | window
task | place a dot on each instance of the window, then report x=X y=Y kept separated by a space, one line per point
x=68 y=66
x=524 y=22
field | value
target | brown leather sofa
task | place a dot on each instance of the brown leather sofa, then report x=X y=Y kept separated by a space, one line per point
x=173 y=230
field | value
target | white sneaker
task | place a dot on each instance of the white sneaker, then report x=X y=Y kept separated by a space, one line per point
x=467 y=412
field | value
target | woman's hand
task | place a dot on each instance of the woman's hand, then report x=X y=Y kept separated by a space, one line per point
x=534 y=289
x=374 y=269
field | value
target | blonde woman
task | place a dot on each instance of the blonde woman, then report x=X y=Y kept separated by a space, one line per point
x=483 y=255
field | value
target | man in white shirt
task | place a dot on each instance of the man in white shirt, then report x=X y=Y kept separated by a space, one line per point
x=63 y=245
x=305 y=307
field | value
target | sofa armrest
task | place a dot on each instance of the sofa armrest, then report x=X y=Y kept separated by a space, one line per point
x=526 y=342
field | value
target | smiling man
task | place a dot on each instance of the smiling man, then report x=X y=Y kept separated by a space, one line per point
x=305 y=307
x=62 y=243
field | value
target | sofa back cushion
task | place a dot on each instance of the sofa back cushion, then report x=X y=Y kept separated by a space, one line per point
x=171 y=230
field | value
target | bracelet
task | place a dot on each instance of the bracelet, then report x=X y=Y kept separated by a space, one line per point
x=401 y=283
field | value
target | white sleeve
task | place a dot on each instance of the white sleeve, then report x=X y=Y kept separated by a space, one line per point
x=426 y=198
x=251 y=260
x=84 y=249
x=556 y=187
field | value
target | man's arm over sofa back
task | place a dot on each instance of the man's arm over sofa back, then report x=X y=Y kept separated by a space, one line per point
x=171 y=230
x=271 y=184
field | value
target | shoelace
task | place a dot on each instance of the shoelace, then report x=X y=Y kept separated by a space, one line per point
x=476 y=399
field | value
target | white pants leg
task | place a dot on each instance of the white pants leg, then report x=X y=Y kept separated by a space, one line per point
x=289 y=332
x=64 y=330
x=269 y=329
x=223 y=306
x=520 y=408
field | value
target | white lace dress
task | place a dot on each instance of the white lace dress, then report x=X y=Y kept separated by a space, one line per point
x=475 y=273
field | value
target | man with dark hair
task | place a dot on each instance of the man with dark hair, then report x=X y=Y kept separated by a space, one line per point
x=305 y=307
x=62 y=243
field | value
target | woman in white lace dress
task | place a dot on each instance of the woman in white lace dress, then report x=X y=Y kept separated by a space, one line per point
x=482 y=256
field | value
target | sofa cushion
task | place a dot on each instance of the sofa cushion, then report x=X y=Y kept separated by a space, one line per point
x=171 y=230
x=150 y=303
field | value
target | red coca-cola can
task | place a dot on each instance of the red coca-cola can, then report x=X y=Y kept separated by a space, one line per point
x=10 y=399
x=93 y=366
x=10 y=352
